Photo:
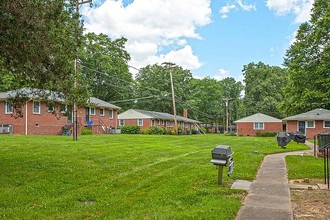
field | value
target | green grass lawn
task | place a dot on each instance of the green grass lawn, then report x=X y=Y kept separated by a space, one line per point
x=300 y=167
x=124 y=176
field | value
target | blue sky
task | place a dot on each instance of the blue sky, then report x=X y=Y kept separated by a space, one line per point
x=212 y=38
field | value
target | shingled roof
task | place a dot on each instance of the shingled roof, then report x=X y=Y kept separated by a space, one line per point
x=316 y=114
x=258 y=117
x=50 y=95
x=137 y=113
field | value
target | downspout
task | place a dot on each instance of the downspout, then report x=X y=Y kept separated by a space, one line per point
x=26 y=118
x=116 y=120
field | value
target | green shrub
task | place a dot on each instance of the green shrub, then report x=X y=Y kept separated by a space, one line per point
x=230 y=133
x=258 y=134
x=171 y=132
x=154 y=130
x=269 y=134
x=179 y=130
x=86 y=131
x=130 y=129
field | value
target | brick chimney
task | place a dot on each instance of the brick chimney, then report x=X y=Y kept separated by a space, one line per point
x=185 y=113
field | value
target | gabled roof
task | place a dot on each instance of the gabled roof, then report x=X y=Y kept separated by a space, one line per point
x=102 y=104
x=316 y=114
x=55 y=96
x=32 y=94
x=258 y=117
x=140 y=114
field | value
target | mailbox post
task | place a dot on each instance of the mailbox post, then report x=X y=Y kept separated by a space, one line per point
x=222 y=156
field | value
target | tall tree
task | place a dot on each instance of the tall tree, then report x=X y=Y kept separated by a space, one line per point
x=154 y=81
x=104 y=66
x=263 y=88
x=232 y=89
x=205 y=100
x=308 y=63
x=38 y=43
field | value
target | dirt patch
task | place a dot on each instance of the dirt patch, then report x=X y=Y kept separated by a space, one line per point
x=310 y=204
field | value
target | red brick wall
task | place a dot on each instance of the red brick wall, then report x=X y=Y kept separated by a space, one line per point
x=148 y=122
x=246 y=128
x=47 y=123
x=292 y=126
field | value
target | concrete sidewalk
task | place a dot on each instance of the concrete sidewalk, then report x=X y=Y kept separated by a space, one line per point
x=269 y=195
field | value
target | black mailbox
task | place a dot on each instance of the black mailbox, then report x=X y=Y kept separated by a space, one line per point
x=222 y=156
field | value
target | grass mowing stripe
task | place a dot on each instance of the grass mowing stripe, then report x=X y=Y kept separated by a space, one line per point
x=124 y=176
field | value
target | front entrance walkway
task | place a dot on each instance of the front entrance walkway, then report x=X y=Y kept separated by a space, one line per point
x=269 y=195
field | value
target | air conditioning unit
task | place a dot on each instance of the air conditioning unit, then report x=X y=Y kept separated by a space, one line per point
x=6 y=129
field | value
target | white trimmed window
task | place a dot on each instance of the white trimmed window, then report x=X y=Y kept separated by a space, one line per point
x=36 y=107
x=121 y=122
x=258 y=126
x=91 y=111
x=326 y=124
x=51 y=107
x=9 y=107
x=310 y=124
x=64 y=109
x=110 y=113
x=171 y=124
x=140 y=122
x=101 y=111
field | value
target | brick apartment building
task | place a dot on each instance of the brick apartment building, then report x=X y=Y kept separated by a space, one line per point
x=257 y=123
x=42 y=117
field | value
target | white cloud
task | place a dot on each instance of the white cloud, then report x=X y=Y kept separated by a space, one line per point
x=300 y=8
x=227 y=8
x=238 y=4
x=152 y=25
x=222 y=74
x=185 y=57
x=246 y=7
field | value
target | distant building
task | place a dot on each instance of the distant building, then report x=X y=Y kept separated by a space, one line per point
x=261 y=123
x=146 y=119
x=42 y=118
x=309 y=123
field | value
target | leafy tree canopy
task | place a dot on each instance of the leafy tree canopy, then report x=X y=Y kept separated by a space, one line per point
x=308 y=63
x=38 y=44
x=154 y=81
x=104 y=67
x=263 y=89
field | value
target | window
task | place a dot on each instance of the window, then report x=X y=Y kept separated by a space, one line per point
x=8 y=108
x=102 y=111
x=64 y=109
x=326 y=124
x=171 y=124
x=140 y=122
x=258 y=126
x=36 y=107
x=51 y=107
x=111 y=114
x=121 y=122
x=92 y=111
x=310 y=124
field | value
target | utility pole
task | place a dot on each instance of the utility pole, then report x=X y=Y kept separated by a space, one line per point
x=75 y=113
x=170 y=65
x=227 y=112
